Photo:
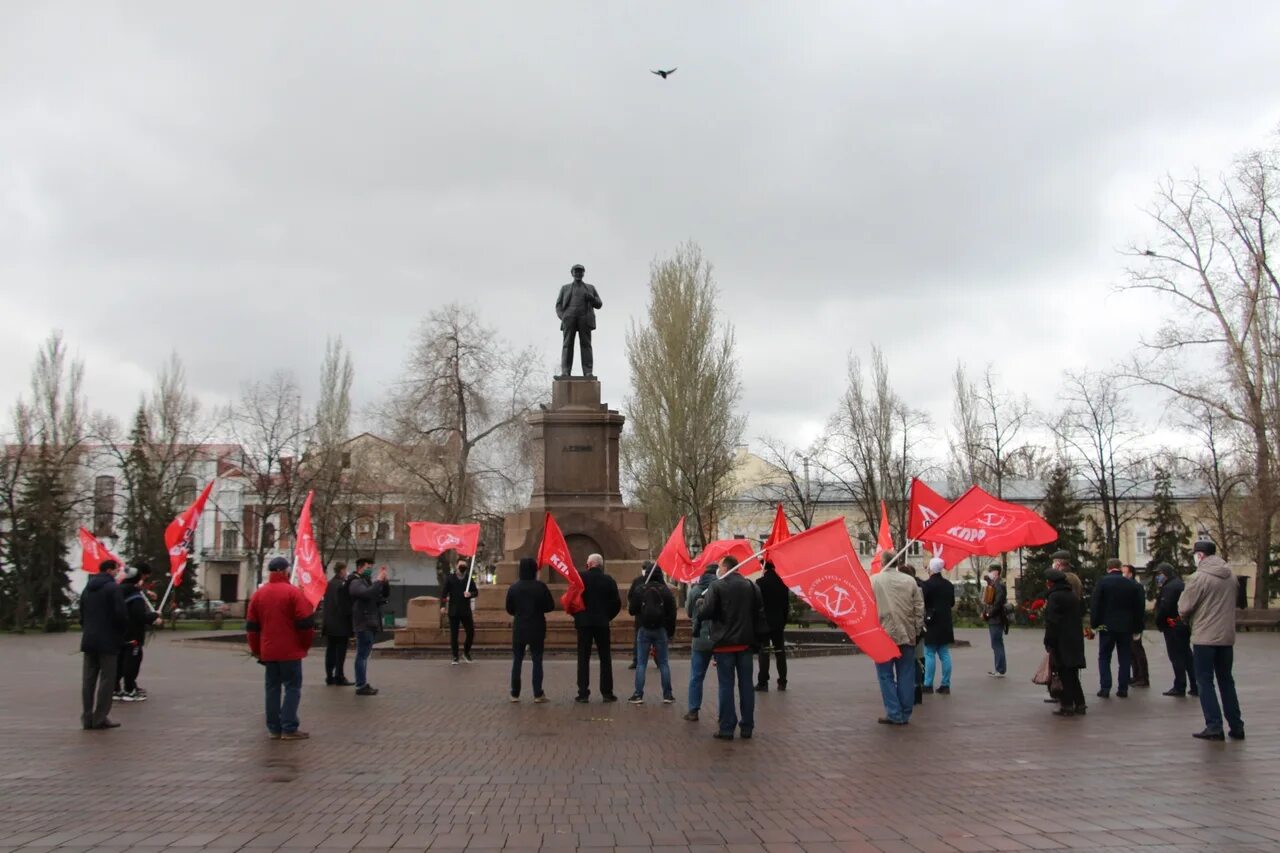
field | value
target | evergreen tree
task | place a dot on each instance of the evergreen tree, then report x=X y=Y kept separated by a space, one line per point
x=39 y=546
x=1170 y=537
x=1064 y=512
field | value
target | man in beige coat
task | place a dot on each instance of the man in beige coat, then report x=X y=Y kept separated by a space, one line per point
x=901 y=608
x=1209 y=604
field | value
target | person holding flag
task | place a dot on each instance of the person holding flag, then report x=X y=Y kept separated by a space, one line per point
x=901 y=608
x=140 y=617
x=459 y=592
x=367 y=597
x=280 y=625
x=735 y=610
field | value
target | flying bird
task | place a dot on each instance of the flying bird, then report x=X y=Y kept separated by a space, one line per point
x=663 y=74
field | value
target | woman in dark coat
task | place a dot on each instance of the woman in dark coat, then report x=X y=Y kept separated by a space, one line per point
x=1064 y=641
x=529 y=601
x=939 y=632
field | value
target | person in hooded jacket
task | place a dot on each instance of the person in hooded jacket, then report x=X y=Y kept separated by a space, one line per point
x=1208 y=602
x=700 y=647
x=140 y=617
x=939 y=630
x=736 y=611
x=528 y=601
x=337 y=627
x=103 y=620
x=777 y=607
x=655 y=607
x=1064 y=641
x=1177 y=634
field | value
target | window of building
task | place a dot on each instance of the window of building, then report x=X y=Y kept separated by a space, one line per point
x=104 y=506
x=230 y=538
x=268 y=535
x=186 y=492
x=346 y=459
x=866 y=545
x=914 y=549
x=1140 y=542
x=384 y=530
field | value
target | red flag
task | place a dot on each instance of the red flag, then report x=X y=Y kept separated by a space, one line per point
x=926 y=506
x=180 y=533
x=884 y=540
x=820 y=566
x=308 y=571
x=554 y=552
x=93 y=552
x=780 y=531
x=434 y=539
x=674 y=558
x=985 y=525
x=740 y=548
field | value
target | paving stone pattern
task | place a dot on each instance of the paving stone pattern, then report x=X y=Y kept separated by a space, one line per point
x=442 y=761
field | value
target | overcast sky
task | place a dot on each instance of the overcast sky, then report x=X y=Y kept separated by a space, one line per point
x=946 y=180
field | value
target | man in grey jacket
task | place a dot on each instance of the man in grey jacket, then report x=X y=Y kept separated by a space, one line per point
x=1208 y=603
x=901 y=608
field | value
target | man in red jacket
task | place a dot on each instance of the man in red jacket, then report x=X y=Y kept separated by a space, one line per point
x=280 y=624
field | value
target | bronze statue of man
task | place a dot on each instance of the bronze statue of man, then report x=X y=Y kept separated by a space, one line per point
x=576 y=307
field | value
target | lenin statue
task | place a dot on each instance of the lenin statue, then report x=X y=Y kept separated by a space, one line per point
x=576 y=308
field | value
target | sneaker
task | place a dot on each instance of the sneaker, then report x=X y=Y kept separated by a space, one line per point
x=117 y=695
x=762 y=688
x=515 y=698
x=274 y=735
x=668 y=700
x=926 y=690
x=468 y=658
x=140 y=690
x=609 y=698
x=692 y=716
x=294 y=736
x=1174 y=693
x=944 y=690
x=455 y=662
x=540 y=700
x=636 y=699
x=367 y=690
x=995 y=674
x=134 y=696
x=581 y=700
x=1209 y=735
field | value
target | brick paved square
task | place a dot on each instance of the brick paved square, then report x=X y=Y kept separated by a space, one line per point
x=440 y=760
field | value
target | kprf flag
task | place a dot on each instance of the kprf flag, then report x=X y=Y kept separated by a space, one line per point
x=884 y=540
x=93 y=552
x=554 y=552
x=308 y=571
x=925 y=507
x=780 y=532
x=674 y=559
x=820 y=566
x=434 y=539
x=740 y=548
x=180 y=533
x=985 y=525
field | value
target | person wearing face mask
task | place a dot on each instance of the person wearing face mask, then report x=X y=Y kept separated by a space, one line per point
x=994 y=598
x=367 y=597
x=1208 y=602
x=1177 y=634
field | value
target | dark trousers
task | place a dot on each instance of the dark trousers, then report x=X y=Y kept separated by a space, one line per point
x=1215 y=662
x=576 y=326
x=1072 y=696
x=1108 y=642
x=778 y=642
x=1177 y=643
x=283 y=676
x=461 y=617
x=1138 y=659
x=128 y=666
x=335 y=658
x=599 y=637
x=98 y=679
x=517 y=662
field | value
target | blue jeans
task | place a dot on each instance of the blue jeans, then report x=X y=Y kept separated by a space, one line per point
x=728 y=666
x=286 y=675
x=657 y=638
x=1122 y=644
x=517 y=661
x=364 y=648
x=898 y=684
x=1216 y=661
x=940 y=653
x=996 y=630
x=699 y=663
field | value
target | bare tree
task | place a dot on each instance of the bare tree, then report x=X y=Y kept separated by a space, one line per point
x=327 y=464
x=1213 y=257
x=873 y=445
x=796 y=484
x=679 y=456
x=1218 y=465
x=966 y=438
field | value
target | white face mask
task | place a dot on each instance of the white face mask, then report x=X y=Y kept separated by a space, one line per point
x=1198 y=556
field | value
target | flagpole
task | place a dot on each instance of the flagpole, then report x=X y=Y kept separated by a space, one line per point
x=469 y=573
x=740 y=562
x=895 y=557
x=166 y=594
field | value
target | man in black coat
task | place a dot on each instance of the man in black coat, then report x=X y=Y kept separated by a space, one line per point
x=735 y=610
x=939 y=632
x=103 y=620
x=655 y=608
x=529 y=601
x=601 y=603
x=139 y=617
x=456 y=597
x=367 y=597
x=337 y=626
x=1176 y=632
x=632 y=592
x=1116 y=613
x=777 y=607
x=1064 y=641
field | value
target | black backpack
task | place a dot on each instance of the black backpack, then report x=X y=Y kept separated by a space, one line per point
x=652 y=613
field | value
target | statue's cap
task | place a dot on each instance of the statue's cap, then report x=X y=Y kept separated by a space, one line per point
x=577 y=267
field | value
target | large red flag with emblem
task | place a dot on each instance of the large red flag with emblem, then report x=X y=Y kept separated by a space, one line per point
x=820 y=566
x=985 y=525
x=434 y=539
x=554 y=552
x=93 y=552
x=180 y=533
x=674 y=559
x=926 y=506
x=884 y=540
x=740 y=548
x=308 y=571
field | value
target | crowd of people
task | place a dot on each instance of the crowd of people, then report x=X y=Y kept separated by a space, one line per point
x=737 y=625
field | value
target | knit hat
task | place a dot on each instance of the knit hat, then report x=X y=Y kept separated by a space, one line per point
x=936 y=565
x=278 y=564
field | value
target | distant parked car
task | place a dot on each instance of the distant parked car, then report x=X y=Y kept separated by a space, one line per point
x=202 y=610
